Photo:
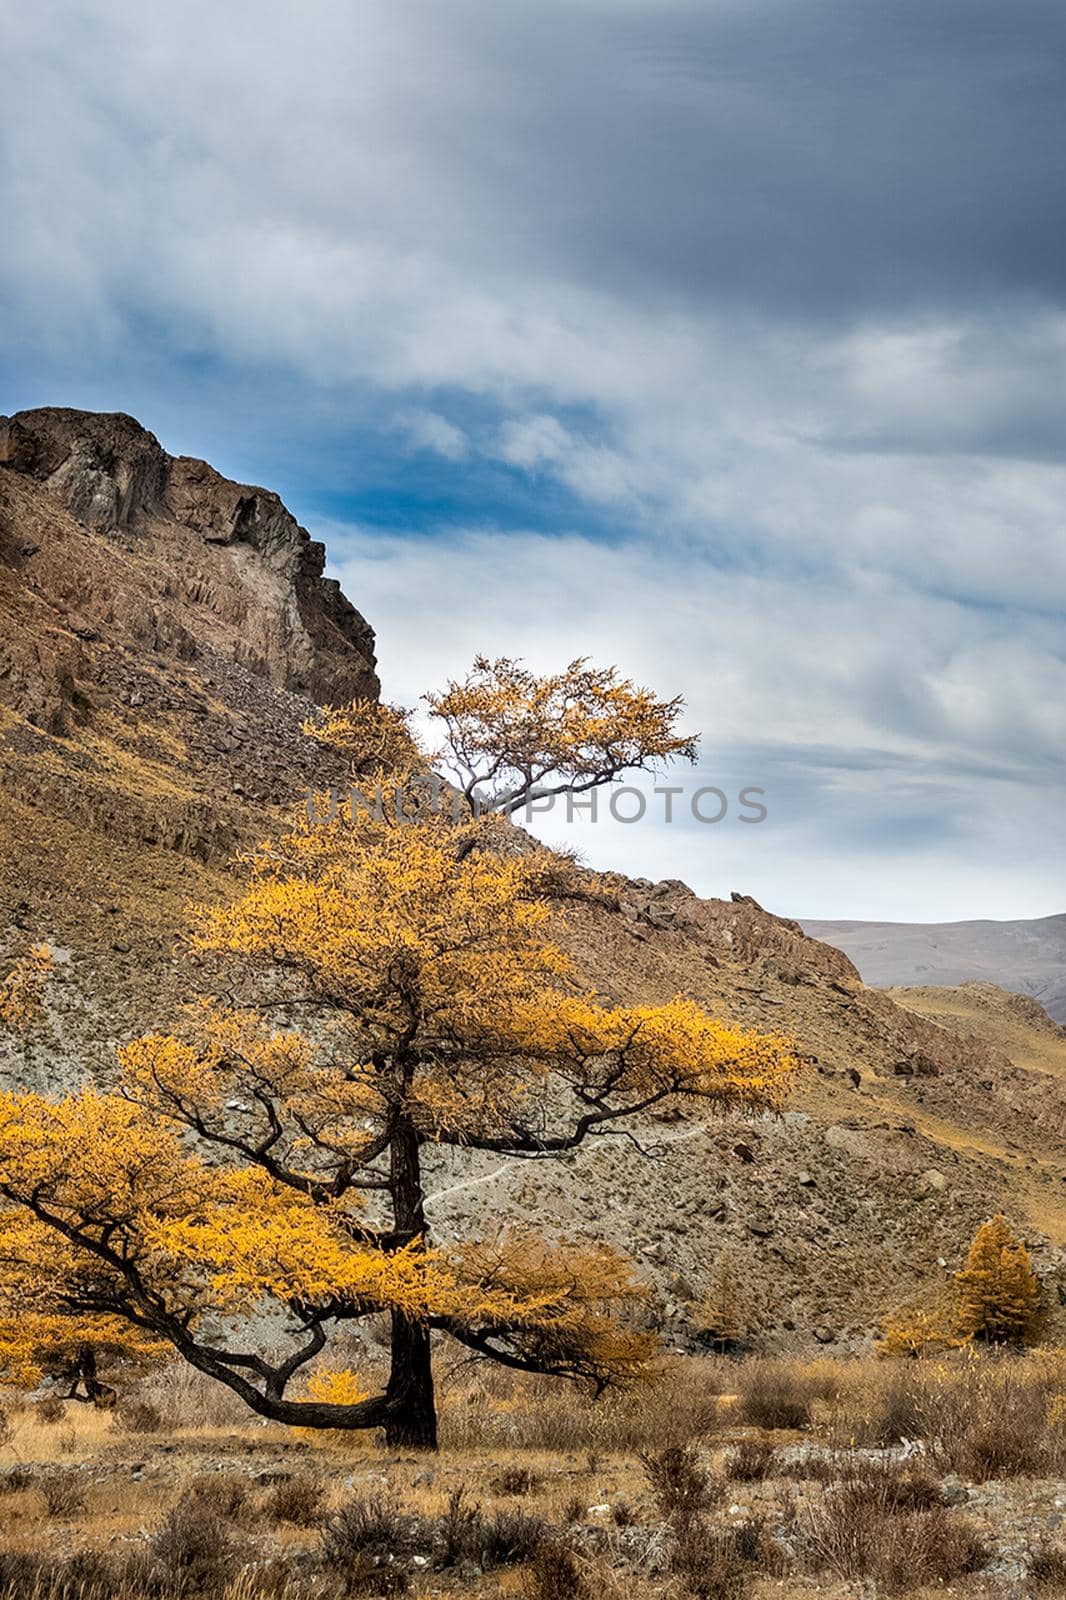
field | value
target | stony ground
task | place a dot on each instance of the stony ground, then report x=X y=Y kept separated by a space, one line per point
x=520 y=1457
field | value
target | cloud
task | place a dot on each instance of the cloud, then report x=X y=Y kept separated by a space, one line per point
x=428 y=430
x=757 y=310
x=907 y=770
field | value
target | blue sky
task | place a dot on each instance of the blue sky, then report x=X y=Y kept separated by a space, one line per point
x=721 y=340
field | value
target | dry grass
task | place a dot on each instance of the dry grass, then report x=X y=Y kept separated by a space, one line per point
x=670 y=1492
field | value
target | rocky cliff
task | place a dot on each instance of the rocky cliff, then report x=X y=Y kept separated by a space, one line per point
x=166 y=556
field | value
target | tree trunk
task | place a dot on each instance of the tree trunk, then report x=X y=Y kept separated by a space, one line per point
x=412 y=1410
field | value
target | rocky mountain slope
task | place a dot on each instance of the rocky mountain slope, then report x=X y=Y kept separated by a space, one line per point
x=164 y=633
x=1027 y=956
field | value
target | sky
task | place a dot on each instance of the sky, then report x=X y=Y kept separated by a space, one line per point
x=722 y=341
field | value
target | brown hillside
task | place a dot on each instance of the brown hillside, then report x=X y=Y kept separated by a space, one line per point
x=164 y=632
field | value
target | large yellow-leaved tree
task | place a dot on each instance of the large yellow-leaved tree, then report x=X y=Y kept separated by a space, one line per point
x=389 y=984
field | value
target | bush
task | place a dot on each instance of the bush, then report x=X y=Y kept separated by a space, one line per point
x=139 y=1416
x=711 y=1565
x=370 y=1533
x=899 y=1412
x=64 y=1496
x=890 y=1525
x=51 y=1409
x=1007 y=1443
x=681 y=1487
x=193 y=1553
x=516 y=1480
x=459 y=1528
x=86 y=1575
x=226 y=1496
x=555 y=1575
x=1047 y=1571
x=508 y=1538
x=574 y=1510
x=776 y=1394
x=750 y=1461
x=298 y=1501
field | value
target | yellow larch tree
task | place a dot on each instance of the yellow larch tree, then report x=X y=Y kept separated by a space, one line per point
x=1000 y=1300
x=512 y=738
x=248 y=1159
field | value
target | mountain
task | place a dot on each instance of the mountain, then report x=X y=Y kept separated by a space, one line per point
x=1028 y=957
x=164 y=634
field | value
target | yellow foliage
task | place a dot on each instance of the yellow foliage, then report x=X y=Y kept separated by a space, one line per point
x=1000 y=1297
x=510 y=734
x=376 y=738
x=438 y=1010
x=995 y=1299
x=916 y=1330
x=336 y=1388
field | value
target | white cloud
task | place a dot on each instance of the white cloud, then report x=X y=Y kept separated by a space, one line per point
x=428 y=430
x=788 y=321
x=911 y=772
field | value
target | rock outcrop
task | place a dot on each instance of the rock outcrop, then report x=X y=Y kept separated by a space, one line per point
x=194 y=563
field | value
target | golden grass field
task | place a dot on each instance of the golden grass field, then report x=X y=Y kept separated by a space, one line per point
x=719 y=1481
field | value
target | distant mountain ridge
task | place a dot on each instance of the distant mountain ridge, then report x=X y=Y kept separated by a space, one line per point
x=1027 y=956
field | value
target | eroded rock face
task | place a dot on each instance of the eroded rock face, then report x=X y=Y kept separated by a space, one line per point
x=239 y=575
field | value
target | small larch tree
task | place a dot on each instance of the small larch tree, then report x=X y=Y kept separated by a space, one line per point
x=1000 y=1300
x=390 y=985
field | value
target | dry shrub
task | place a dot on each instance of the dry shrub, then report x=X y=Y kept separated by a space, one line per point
x=194 y=1552
x=185 y=1398
x=63 y=1496
x=890 y=1525
x=711 y=1564
x=750 y=1461
x=507 y=1538
x=139 y=1416
x=15 y=1480
x=682 y=1488
x=516 y=1480
x=366 y=1542
x=371 y=1535
x=899 y=1412
x=86 y=1575
x=503 y=1410
x=1010 y=1440
x=51 y=1409
x=554 y=1575
x=298 y=1500
x=225 y=1495
x=978 y=1413
x=459 y=1527
x=777 y=1393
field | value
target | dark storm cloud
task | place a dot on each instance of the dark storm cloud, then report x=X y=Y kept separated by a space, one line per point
x=813 y=158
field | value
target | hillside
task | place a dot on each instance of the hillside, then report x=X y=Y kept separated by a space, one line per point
x=1027 y=956
x=165 y=634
